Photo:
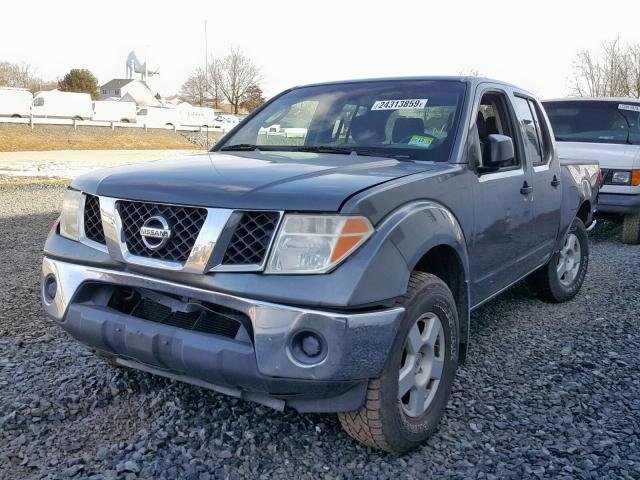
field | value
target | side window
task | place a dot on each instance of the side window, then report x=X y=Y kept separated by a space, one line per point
x=531 y=132
x=544 y=137
x=494 y=118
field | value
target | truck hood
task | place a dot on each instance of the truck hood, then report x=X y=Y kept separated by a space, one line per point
x=609 y=155
x=270 y=180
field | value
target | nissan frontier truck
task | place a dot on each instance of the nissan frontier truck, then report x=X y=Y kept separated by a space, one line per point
x=333 y=271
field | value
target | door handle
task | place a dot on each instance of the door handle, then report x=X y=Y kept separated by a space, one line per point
x=555 y=182
x=526 y=189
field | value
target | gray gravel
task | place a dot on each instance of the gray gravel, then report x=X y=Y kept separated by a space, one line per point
x=548 y=391
x=202 y=139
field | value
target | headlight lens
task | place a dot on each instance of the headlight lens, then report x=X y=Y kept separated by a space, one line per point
x=621 y=176
x=316 y=243
x=70 y=217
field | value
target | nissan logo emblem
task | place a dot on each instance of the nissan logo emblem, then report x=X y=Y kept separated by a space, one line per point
x=155 y=232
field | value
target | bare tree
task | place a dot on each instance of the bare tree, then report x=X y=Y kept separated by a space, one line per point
x=613 y=72
x=470 y=72
x=214 y=90
x=194 y=89
x=633 y=54
x=236 y=75
x=22 y=76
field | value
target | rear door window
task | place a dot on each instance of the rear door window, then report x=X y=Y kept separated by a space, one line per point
x=532 y=141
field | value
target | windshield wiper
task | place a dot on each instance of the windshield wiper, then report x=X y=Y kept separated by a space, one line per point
x=240 y=147
x=340 y=150
x=324 y=149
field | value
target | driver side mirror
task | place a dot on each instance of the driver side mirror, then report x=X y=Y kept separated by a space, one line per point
x=498 y=152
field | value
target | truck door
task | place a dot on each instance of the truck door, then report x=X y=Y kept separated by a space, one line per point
x=501 y=244
x=545 y=181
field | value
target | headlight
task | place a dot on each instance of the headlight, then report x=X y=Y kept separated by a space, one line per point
x=621 y=176
x=71 y=215
x=316 y=243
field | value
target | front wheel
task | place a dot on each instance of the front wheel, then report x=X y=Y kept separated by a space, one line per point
x=406 y=402
x=631 y=229
x=561 y=278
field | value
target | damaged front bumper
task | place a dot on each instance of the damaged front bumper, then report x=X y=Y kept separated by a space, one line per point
x=260 y=360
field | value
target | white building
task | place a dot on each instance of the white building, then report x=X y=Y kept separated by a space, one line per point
x=128 y=89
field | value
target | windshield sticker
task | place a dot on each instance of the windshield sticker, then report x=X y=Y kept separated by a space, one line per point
x=421 y=141
x=399 y=104
x=632 y=108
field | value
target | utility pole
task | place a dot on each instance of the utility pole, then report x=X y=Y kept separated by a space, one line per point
x=206 y=65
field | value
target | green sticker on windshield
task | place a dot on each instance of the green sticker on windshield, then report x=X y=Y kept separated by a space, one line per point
x=421 y=141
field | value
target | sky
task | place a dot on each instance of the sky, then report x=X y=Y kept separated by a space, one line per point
x=530 y=44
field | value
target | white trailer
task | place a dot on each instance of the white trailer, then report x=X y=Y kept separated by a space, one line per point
x=225 y=122
x=114 y=111
x=196 y=116
x=15 y=102
x=57 y=104
x=158 y=117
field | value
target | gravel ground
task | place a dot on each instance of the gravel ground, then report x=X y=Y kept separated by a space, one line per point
x=548 y=391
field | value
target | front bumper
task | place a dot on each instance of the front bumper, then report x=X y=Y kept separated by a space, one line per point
x=618 y=203
x=262 y=368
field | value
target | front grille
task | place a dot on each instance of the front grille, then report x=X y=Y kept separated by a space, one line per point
x=92 y=220
x=211 y=319
x=251 y=238
x=185 y=224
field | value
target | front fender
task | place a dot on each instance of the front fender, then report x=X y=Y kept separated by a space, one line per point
x=423 y=225
x=414 y=229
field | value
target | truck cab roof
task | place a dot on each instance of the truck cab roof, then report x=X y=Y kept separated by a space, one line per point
x=593 y=99
x=449 y=78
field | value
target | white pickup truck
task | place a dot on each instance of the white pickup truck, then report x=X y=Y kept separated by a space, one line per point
x=605 y=129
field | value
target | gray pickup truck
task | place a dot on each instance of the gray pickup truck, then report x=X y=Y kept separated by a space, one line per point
x=327 y=253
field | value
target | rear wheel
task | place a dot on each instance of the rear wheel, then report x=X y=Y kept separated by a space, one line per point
x=405 y=404
x=631 y=229
x=561 y=278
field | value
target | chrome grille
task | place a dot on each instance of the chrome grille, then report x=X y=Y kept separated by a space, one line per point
x=92 y=220
x=251 y=238
x=185 y=224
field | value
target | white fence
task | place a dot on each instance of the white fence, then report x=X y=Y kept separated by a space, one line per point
x=32 y=121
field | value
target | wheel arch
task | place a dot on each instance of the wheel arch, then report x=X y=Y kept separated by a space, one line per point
x=430 y=239
x=585 y=213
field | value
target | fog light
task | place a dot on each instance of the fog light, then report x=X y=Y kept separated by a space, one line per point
x=50 y=288
x=308 y=347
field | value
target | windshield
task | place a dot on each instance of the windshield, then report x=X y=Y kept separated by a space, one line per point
x=595 y=121
x=404 y=119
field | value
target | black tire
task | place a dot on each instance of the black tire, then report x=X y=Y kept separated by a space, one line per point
x=546 y=282
x=382 y=422
x=631 y=229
